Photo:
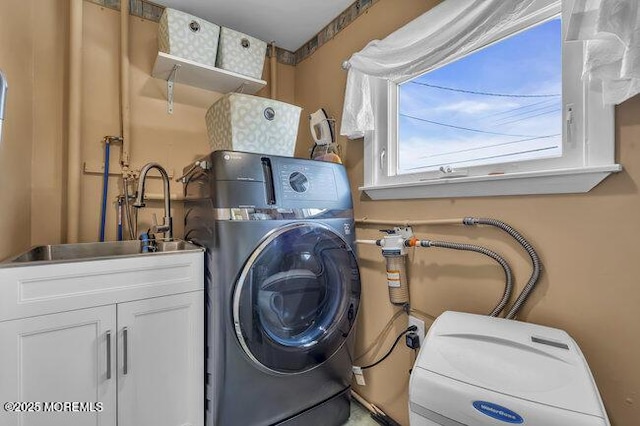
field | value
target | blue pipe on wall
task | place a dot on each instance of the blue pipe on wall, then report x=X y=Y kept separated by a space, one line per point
x=105 y=188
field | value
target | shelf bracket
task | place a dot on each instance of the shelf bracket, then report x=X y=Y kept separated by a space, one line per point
x=170 y=83
x=241 y=88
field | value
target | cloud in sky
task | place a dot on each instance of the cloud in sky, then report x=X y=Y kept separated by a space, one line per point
x=472 y=107
x=451 y=119
x=418 y=151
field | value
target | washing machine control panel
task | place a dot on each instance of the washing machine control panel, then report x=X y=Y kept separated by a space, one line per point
x=298 y=182
x=307 y=182
x=240 y=179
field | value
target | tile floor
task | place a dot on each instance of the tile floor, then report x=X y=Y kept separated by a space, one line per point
x=359 y=416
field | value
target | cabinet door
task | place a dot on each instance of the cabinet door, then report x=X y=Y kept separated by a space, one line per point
x=60 y=358
x=161 y=361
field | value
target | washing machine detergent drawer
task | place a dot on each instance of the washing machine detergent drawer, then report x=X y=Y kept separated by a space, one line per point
x=449 y=402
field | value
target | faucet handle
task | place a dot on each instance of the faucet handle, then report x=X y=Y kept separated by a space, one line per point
x=139 y=201
x=155 y=228
x=154 y=223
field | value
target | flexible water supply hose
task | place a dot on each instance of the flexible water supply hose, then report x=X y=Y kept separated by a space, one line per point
x=535 y=260
x=119 y=226
x=127 y=211
x=105 y=189
x=508 y=288
x=414 y=242
x=3 y=99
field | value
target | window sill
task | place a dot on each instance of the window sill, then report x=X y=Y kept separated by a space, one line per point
x=564 y=181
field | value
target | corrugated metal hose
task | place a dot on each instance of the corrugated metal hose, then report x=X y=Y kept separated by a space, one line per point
x=535 y=259
x=508 y=288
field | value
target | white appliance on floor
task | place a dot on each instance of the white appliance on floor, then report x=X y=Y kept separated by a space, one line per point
x=478 y=370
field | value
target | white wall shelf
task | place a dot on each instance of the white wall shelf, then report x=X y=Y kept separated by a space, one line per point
x=203 y=76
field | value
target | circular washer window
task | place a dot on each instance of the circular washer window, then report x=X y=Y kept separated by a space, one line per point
x=296 y=299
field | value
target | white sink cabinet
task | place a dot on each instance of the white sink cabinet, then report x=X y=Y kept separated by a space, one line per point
x=126 y=332
x=59 y=357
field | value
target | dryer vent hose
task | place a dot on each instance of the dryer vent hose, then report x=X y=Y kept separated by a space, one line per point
x=397 y=279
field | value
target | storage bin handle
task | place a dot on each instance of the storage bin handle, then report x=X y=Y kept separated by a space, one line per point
x=245 y=43
x=269 y=113
x=194 y=26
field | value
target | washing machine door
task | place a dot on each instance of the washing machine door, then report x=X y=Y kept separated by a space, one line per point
x=296 y=298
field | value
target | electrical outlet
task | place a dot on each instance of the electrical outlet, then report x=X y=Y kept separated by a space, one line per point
x=420 y=324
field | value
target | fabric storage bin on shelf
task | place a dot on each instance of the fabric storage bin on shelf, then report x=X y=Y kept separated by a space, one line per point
x=249 y=123
x=241 y=53
x=188 y=37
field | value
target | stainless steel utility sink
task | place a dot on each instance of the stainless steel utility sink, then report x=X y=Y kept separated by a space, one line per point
x=92 y=251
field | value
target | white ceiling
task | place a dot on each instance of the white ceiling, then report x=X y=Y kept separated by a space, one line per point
x=290 y=23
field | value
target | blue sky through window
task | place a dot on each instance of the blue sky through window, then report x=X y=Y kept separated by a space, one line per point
x=500 y=104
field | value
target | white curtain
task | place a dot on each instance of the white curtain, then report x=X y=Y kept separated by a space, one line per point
x=449 y=30
x=611 y=29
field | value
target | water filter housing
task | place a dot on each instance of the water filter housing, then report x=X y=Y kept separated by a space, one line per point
x=479 y=370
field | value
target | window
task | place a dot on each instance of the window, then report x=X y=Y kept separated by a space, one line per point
x=512 y=117
x=504 y=102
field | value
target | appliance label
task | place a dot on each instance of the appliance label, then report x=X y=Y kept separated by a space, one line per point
x=393 y=278
x=498 y=412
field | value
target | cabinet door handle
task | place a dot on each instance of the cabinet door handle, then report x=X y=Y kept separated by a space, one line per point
x=108 y=354
x=125 y=355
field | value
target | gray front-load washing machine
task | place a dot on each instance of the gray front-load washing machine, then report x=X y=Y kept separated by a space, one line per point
x=283 y=287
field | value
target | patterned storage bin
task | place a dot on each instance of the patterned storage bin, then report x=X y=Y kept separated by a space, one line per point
x=253 y=124
x=241 y=53
x=188 y=37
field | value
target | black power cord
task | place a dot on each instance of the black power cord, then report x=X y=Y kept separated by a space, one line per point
x=408 y=329
x=313 y=150
x=384 y=420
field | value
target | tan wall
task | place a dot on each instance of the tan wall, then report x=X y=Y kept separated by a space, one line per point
x=586 y=241
x=33 y=154
x=588 y=244
x=172 y=140
x=33 y=56
x=17 y=27
x=48 y=174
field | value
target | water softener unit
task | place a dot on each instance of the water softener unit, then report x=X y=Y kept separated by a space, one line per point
x=478 y=370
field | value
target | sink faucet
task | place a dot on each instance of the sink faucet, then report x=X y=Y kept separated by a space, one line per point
x=167 y=224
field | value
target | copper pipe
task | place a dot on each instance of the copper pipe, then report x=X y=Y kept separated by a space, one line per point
x=74 y=148
x=406 y=222
x=273 y=61
x=125 y=102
